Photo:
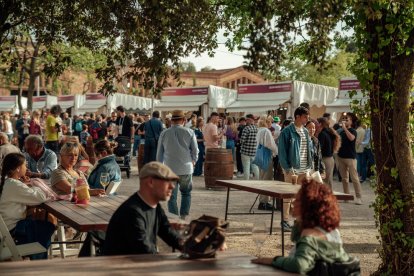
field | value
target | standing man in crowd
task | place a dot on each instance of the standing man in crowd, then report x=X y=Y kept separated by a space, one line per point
x=153 y=129
x=295 y=155
x=135 y=225
x=124 y=123
x=211 y=136
x=67 y=121
x=248 y=148
x=22 y=127
x=52 y=129
x=40 y=161
x=178 y=149
x=242 y=125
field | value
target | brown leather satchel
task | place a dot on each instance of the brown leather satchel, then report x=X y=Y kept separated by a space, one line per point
x=206 y=235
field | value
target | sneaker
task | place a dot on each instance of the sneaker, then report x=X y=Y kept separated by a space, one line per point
x=286 y=226
x=239 y=174
x=358 y=201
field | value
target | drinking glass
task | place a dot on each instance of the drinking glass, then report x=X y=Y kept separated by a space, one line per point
x=104 y=180
x=259 y=236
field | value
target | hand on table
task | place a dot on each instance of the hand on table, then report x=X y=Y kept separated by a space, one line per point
x=97 y=192
x=265 y=261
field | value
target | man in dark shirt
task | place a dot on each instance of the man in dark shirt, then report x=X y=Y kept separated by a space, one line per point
x=242 y=125
x=124 y=123
x=152 y=130
x=347 y=156
x=135 y=225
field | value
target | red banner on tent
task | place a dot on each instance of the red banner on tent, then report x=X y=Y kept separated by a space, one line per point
x=39 y=99
x=349 y=85
x=8 y=99
x=185 y=91
x=95 y=97
x=66 y=98
x=265 y=88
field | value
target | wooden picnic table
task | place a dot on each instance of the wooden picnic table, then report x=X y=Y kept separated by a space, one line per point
x=92 y=217
x=274 y=189
x=225 y=263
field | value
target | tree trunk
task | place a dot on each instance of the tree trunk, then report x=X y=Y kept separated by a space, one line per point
x=390 y=118
x=405 y=164
x=33 y=73
x=22 y=75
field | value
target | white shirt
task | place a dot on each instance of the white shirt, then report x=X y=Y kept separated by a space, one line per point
x=264 y=137
x=15 y=197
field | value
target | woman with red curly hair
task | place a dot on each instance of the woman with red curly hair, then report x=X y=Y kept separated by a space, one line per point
x=315 y=232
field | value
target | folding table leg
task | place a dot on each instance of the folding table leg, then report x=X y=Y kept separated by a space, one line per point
x=227 y=202
x=254 y=203
x=283 y=233
x=61 y=239
x=271 y=220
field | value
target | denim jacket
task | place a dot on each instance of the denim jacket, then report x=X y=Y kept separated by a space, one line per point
x=107 y=164
x=289 y=149
x=46 y=164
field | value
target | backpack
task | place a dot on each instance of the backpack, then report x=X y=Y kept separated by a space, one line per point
x=78 y=126
x=95 y=129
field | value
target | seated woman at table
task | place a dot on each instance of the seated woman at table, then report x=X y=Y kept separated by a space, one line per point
x=15 y=196
x=106 y=164
x=62 y=178
x=83 y=163
x=315 y=232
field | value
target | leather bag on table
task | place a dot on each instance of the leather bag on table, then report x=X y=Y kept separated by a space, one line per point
x=206 y=235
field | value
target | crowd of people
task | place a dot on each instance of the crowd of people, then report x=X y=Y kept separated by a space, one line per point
x=54 y=147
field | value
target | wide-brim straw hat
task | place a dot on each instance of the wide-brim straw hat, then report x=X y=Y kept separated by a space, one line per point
x=177 y=114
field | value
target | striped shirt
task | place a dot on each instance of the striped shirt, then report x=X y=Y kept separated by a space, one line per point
x=248 y=141
x=303 y=150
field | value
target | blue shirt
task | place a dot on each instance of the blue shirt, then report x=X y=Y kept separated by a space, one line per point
x=177 y=148
x=45 y=165
x=153 y=128
x=108 y=165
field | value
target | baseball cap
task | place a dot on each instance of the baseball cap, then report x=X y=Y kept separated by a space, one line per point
x=276 y=119
x=157 y=170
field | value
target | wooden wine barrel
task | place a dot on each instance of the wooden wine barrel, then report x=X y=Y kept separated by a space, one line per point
x=218 y=164
x=140 y=158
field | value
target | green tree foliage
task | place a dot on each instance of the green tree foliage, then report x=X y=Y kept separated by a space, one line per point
x=384 y=43
x=141 y=39
x=336 y=68
x=207 y=68
x=187 y=67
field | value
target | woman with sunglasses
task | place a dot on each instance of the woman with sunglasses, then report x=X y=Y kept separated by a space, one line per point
x=62 y=178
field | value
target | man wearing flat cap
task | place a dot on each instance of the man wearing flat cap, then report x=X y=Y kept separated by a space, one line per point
x=135 y=225
x=177 y=148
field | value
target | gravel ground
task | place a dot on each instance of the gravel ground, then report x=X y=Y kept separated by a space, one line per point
x=357 y=225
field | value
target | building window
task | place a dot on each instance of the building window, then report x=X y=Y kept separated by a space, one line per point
x=244 y=80
x=233 y=85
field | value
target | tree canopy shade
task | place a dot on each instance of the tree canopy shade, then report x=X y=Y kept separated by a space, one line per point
x=147 y=38
x=384 y=42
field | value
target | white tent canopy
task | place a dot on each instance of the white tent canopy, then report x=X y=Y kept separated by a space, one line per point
x=40 y=102
x=343 y=101
x=129 y=102
x=8 y=103
x=89 y=103
x=66 y=102
x=191 y=98
x=259 y=98
x=313 y=94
